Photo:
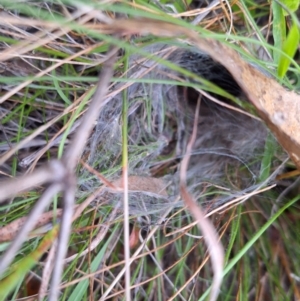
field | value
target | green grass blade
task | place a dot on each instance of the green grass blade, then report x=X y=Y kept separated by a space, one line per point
x=23 y=266
x=81 y=287
x=279 y=29
x=251 y=242
x=289 y=48
x=266 y=161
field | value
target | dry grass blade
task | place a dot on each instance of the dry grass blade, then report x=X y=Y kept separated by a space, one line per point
x=64 y=235
x=41 y=38
x=103 y=229
x=70 y=160
x=132 y=258
x=8 y=232
x=215 y=247
x=53 y=172
x=8 y=256
x=73 y=153
x=180 y=155
x=60 y=175
x=47 y=271
x=38 y=131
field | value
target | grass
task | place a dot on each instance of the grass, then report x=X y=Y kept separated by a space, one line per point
x=47 y=86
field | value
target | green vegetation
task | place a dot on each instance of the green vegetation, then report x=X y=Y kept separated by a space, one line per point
x=51 y=54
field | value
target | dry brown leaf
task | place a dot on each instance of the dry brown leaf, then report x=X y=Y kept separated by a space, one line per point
x=33 y=284
x=135 y=183
x=134 y=237
x=144 y=184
